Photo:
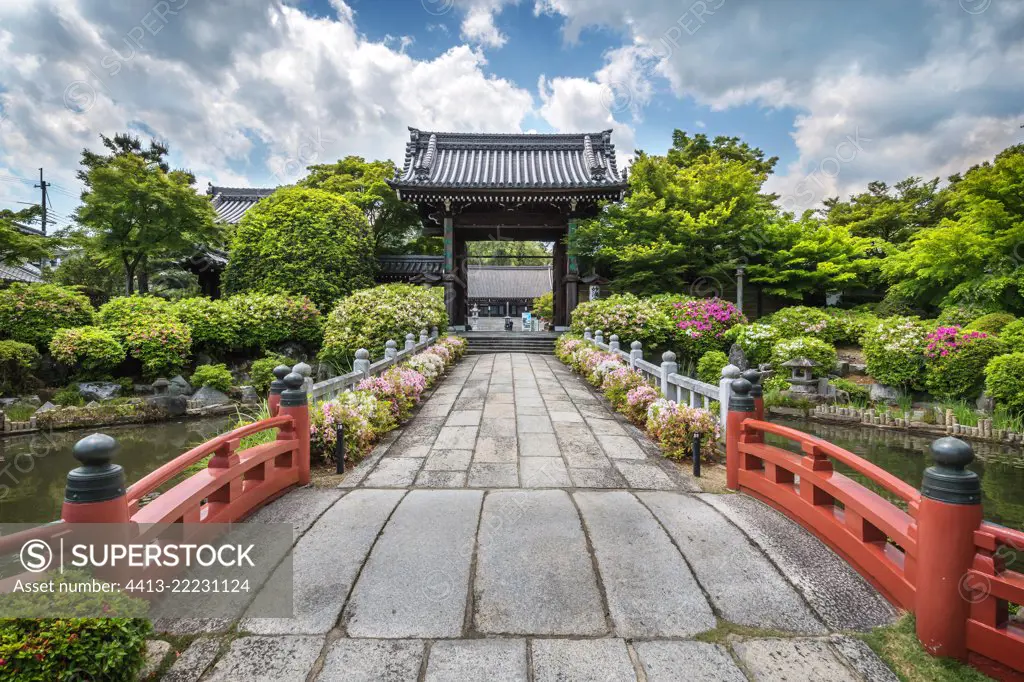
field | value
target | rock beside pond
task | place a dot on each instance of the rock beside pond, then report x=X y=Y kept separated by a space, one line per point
x=179 y=386
x=883 y=393
x=46 y=407
x=208 y=397
x=249 y=395
x=171 y=405
x=99 y=390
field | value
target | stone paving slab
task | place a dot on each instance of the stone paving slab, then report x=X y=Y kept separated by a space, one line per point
x=861 y=658
x=839 y=596
x=743 y=585
x=645 y=475
x=267 y=659
x=558 y=660
x=649 y=589
x=299 y=507
x=372 y=660
x=544 y=472
x=493 y=660
x=326 y=561
x=533 y=572
x=417 y=577
x=771 y=660
x=680 y=661
x=194 y=661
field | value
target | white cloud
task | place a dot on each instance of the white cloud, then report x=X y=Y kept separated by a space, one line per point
x=478 y=27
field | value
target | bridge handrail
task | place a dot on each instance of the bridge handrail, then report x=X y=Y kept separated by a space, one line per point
x=992 y=588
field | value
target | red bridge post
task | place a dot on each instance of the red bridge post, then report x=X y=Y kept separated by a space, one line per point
x=95 y=491
x=949 y=514
x=295 y=404
x=741 y=407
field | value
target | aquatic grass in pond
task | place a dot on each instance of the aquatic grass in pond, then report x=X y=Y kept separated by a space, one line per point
x=964 y=413
x=1007 y=420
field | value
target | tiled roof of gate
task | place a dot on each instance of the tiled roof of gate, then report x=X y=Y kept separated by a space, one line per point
x=564 y=163
x=400 y=267
x=231 y=203
x=20 y=273
x=499 y=282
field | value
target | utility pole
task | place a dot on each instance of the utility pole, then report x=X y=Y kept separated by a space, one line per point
x=42 y=186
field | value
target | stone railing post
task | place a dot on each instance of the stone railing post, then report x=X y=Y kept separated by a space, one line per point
x=756 y=392
x=276 y=386
x=636 y=352
x=295 y=404
x=390 y=349
x=599 y=336
x=613 y=342
x=949 y=514
x=588 y=334
x=741 y=406
x=433 y=332
x=95 y=491
x=305 y=370
x=424 y=335
x=668 y=366
x=729 y=372
x=362 y=363
x=410 y=341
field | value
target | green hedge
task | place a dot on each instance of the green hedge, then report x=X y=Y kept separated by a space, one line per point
x=804 y=347
x=993 y=323
x=268 y=320
x=93 y=351
x=124 y=314
x=214 y=324
x=303 y=241
x=632 y=318
x=894 y=350
x=262 y=371
x=32 y=313
x=369 y=318
x=961 y=374
x=162 y=344
x=17 y=361
x=710 y=366
x=214 y=376
x=1004 y=381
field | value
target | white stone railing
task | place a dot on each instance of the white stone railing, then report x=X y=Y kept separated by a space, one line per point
x=362 y=368
x=674 y=386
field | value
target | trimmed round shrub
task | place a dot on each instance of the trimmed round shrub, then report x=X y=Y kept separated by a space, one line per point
x=122 y=315
x=32 y=313
x=214 y=324
x=710 y=366
x=214 y=376
x=91 y=349
x=851 y=325
x=956 y=361
x=369 y=318
x=804 y=347
x=17 y=361
x=803 y=321
x=699 y=325
x=993 y=323
x=262 y=371
x=632 y=318
x=1012 y=336
x=961 y=315
x=756 y=340
x=302 y=241
x=161 y=344
x=268 y=320
x=1004 y=381
x=894 y=350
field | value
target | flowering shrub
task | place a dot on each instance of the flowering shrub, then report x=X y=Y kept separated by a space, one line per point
x=123 y=314
x=804 y=347
x=637 y=401
x=566 y=345
x=369 y=318
x=710 y=366
x=365 y=418
x=161 y=344
x=956 y=361
x=214 y=376
x=17 y=360
x=618 y=382
x=91 y=349
x=32 y=313
x=700 y=325
x=399 y=386
x=597 y=364
x=632 y=318
x=756 y=340
x=1004 y=381
x=430 y=365
x=214 y=324
x=456 y=345
x=803 y=321
x=441 y=352
x=894 y=350
x=676 y=425
x=268 y=320
x=851 y=325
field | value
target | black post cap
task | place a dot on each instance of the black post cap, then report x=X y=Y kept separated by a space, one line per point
x=98 y=479
x=740 y=399
x=754 y=377
x=949 y=481
x=294 y=393
x=280 y=372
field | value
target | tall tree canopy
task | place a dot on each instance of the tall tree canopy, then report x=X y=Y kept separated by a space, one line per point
x=364 y=184
x=135 y=210
x=16 y=246
x=893 y=214
x=500 y=252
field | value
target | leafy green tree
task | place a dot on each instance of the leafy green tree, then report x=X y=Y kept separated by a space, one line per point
x=499 y=252
x=687 y=150
x=364 y=183
x=892 y=214
x=302 y=241
x=135 y=211
x=808 y=257
x=85 y=269
x=17 y=247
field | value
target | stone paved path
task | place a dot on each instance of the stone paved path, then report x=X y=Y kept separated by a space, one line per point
x=516 y=529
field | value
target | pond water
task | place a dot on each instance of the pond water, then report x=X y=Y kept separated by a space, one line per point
x=906 y=456
x=35 y=466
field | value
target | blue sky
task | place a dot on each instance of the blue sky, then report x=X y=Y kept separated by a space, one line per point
x=249 y=92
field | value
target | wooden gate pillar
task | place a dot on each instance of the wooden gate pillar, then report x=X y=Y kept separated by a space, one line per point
x=558 y=273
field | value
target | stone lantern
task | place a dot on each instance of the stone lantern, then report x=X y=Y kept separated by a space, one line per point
x=801 y=378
